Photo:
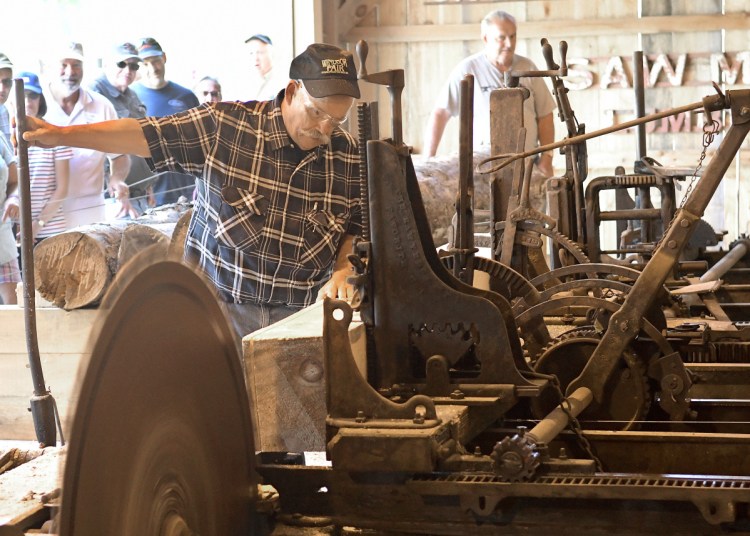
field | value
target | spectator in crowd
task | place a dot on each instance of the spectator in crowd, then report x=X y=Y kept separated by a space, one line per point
x=10 y=272
x=6 y=82
x=208 y=89
x=119 y=72
x=49 y=170
x=71 y=104
x=278 y=194
x=489 y=67
x=266 y=81
x=162 y=98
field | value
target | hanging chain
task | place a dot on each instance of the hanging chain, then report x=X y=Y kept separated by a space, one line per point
x=710 y=129
x=573 y=423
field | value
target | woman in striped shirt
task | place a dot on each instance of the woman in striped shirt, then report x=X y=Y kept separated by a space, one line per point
x=48 y=168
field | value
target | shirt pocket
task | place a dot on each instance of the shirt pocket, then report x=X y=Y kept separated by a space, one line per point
x=242 y=217
x=323 y=230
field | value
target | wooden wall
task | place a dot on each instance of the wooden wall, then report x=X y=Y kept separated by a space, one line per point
x=427 y=39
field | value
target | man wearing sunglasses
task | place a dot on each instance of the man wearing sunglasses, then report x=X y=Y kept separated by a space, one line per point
x=119 y=72
x=72 y=104
x=6 y=83
x=163 y=97
x=278 y=202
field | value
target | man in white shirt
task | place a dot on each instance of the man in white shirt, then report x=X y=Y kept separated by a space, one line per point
x=267 y=81
x=73 y=105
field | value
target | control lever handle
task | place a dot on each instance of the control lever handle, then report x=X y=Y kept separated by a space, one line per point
x=362 y=50
x=393 y=79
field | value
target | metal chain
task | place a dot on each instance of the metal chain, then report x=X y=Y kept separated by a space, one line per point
x=709 y=133
x=573 y=423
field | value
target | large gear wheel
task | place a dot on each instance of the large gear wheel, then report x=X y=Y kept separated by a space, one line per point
x=627 y=395
x=515 y=288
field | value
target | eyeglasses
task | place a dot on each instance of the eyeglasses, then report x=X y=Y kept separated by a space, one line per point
x=212 y=93
x=6 y=82
x=319 y=115
x=133 y=66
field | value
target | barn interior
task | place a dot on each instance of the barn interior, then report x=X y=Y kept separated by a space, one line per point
x=501 y=367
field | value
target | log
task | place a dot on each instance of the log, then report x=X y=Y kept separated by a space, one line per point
x=438 y=184
x=177 y=244
x=137 y=237
x=75 y=268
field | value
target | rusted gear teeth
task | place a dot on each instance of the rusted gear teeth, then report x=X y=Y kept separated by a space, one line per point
x=516 y=458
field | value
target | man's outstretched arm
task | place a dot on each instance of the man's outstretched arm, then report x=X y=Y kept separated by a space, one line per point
x=123 y=136
x=435 y=128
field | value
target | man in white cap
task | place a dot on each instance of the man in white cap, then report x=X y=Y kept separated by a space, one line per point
x=278 y=201
x=119 y=72
x=6 y=82
x=72 y=104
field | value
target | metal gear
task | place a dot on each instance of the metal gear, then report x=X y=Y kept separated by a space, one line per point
x=516 y=458
x=515 y=288
x=563 y=241
x=162 y=441
x=628 y=394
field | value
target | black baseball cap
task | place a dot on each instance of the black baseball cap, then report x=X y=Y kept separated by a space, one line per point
x=326 y=70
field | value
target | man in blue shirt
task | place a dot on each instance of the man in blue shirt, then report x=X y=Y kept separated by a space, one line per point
x=163 y=97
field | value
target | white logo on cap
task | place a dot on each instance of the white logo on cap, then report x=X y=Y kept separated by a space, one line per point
x=334 y=66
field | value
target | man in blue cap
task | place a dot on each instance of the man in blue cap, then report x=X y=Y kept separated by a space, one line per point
x=278 y=204
x=163 y=97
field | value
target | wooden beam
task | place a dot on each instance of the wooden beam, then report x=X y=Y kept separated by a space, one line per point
x=553 y=28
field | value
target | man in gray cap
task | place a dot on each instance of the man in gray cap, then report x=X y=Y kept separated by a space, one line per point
x=6 y=82
x=72 y=104
x=119 y=72
x=278 y=191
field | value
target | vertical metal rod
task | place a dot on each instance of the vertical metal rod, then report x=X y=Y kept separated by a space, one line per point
x=42 y=403
x=464 y=241
x=640 y=103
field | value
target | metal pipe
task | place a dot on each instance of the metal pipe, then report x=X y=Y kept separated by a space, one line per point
x=42 y=404
x=640 y=103
x=508 y=159
x=726 y=263
x=558 y=419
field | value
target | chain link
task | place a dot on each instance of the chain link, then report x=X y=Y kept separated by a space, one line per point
x=710 y=129
x=574 y=425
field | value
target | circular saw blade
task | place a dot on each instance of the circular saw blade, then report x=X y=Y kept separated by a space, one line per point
x=161 y=442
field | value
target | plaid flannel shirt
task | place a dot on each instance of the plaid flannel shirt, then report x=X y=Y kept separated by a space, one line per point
x=269 y=217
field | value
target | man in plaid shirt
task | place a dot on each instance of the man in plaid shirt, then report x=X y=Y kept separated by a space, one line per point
x=277 y=204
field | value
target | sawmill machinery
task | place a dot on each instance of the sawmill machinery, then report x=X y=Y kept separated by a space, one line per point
x=454 y=429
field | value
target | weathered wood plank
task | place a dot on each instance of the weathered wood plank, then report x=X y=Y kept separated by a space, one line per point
x=554 y=28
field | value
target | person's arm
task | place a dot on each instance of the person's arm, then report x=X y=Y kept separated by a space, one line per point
x=62 y=175
x=12 y=202
x=120 y=136
x=119 y=168
x=337 y=286
x=546 y=133
x=435 y=128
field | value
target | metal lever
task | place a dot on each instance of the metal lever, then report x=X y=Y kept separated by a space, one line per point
x=42 y=404
x=553 y=69
x=393 y=79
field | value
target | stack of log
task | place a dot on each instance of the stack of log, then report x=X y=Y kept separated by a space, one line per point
x=75 y=268
x=438 y=184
